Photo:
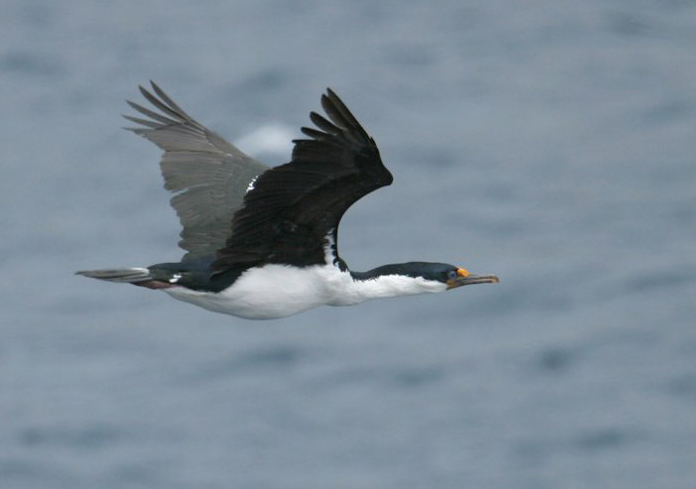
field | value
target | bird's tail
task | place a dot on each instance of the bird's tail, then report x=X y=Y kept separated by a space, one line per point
x=122 y=275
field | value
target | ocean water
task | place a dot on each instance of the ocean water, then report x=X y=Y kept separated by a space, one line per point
x=550 y=142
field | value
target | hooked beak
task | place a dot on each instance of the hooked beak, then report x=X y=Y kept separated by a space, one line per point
x=466 y=278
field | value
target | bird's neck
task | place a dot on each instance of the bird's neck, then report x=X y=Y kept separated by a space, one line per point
x=380 y=283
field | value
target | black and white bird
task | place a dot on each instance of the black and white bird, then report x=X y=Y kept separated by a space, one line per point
x=261 y=242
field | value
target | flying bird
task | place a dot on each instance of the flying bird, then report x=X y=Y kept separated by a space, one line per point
x=260 y=242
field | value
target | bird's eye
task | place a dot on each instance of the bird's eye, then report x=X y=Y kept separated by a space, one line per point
x=452 y=274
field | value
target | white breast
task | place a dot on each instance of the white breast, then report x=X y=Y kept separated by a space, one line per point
x=276 y=291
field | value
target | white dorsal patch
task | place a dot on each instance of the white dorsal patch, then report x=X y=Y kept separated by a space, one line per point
x=330 y=252
x=250 y=187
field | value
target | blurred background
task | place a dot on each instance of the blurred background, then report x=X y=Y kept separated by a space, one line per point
x=549 y=142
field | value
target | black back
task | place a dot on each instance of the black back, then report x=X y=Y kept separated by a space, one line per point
x=294 y=207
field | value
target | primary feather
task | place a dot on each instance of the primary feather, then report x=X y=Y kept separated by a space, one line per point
x=207 y=175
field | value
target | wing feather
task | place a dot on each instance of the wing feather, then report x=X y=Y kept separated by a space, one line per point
x=293 y=208
x=208 y=175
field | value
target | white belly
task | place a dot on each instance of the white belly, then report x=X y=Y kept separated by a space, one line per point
x=273 y=291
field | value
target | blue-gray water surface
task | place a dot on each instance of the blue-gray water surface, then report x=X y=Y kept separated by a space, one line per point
x=550 y=142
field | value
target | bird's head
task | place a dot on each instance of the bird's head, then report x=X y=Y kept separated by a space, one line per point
x=449 y=275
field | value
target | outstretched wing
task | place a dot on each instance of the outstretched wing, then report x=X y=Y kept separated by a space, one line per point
x=294 y=209
x=208 y=175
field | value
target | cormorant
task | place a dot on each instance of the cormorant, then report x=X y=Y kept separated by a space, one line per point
x=261 y=242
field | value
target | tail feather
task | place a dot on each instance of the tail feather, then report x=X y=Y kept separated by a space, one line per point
x=122 y=275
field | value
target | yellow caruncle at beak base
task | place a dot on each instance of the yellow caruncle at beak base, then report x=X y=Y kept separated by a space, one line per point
x=462 y=272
